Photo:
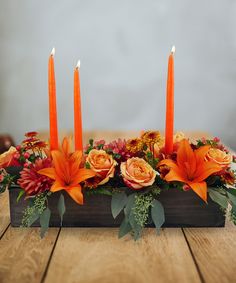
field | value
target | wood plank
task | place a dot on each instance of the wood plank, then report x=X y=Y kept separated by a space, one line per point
x=214 y=250
x=24 y=255
x=4 y=212
x=97 y=255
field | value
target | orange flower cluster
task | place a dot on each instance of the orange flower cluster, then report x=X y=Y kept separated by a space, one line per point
x=67 y=172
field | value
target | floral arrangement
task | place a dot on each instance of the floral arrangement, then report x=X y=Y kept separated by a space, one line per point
x=133 y=172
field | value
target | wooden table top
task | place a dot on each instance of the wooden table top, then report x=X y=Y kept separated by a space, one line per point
x=97 y=255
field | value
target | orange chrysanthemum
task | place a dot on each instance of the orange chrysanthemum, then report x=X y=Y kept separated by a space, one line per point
x=134 y=145
x=67 y=172
x=191 y=168
x=151 y=137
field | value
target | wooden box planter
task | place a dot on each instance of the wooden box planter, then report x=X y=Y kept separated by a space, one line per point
x=182 y=209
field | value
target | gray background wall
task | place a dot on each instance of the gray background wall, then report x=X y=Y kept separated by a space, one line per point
x=123 y=47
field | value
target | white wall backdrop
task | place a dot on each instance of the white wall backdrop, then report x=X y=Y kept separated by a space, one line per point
x=123 y=47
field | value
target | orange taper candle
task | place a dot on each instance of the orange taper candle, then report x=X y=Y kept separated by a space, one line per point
x=77 y=111
x=52 y=103
x=169 y=132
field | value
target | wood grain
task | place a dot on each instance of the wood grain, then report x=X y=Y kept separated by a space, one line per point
x=24 y=255
x=4 y=212
x=215 y=252
x=97 y=255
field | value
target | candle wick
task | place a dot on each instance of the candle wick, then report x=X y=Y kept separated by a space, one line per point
x=78 y=64
x=53 y=51
x=173 y=49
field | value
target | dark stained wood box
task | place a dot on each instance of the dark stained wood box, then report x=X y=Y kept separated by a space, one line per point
x=182 y=209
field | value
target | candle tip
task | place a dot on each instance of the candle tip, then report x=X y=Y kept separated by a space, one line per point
x=53 y=51
x=78 y=64
x=173 y=49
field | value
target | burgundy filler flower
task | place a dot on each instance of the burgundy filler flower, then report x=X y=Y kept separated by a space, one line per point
x=119 y=147
x=32 y=182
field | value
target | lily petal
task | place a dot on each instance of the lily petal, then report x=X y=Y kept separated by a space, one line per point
x=57 y=186
x=185 y=158
x=82 y=175
x=175 y=174
x=66 y=146
x=76 y=194
x=49 y=172
x=61 y=165
x=200 y=189
x=206 y=169
x=201 y=152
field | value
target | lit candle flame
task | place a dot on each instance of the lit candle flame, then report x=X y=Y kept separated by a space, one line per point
x=173 y=49
x=53 y=51
x=78 y=64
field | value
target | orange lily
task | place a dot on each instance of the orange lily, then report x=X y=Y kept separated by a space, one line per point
x=66 y=171
x=191 y=168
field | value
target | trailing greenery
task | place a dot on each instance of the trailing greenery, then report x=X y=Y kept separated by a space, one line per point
x=139 y=210
x=142 y=204
x=34 y=210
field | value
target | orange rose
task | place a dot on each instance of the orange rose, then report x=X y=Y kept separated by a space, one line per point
x=6 y=157
x=137 y=173
x=101 y=163
x=219 y=156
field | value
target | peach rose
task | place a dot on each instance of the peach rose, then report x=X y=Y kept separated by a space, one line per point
x=137 y=173
x=6 y=157
x=219 y=156
x=101 y=163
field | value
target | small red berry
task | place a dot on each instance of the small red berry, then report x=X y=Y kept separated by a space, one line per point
x=18 y=148
x=16 y=155
x=216 y=139
x=26 y=155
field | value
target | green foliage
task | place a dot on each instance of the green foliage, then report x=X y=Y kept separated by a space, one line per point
x=212 y=143
x=155 y=190
x=136 y=209
x=151 y=159
x=44 y=221
x=158 y=214
x=21 y=193
x=90 y=146
x=6 y=181
x=116 y=156
x=61 y=207
x=141 y=208
x=106 y=190
x=218 y=197
x=126 y=226
x=118 y=202
x=34 y=210
x=87 y=165
x=233 y=214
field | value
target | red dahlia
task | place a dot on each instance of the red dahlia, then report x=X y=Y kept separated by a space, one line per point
x=32 y=182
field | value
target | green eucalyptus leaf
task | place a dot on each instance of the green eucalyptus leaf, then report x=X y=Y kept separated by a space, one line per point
x=232 y=192
x=137 y=229
x=61 y=207
x=125 y=228
x=158 y=214
x=32 y=218
x=118 y=202
x=44 y=221
x=232 y=198
x=218 y=198
x=129 y=205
